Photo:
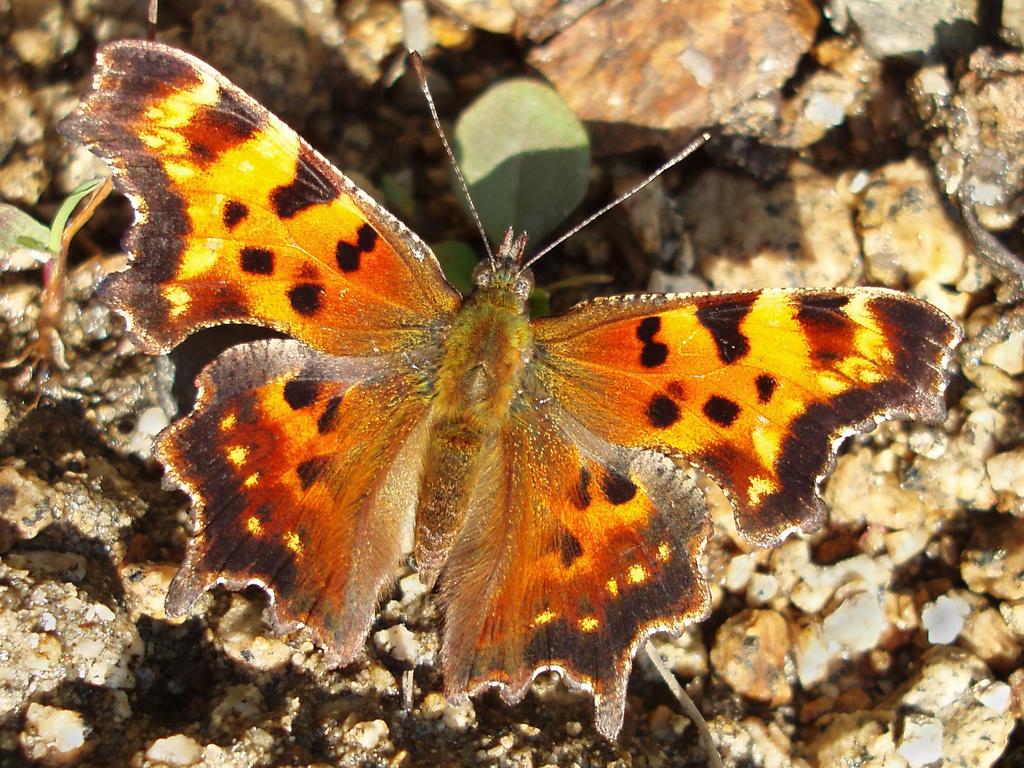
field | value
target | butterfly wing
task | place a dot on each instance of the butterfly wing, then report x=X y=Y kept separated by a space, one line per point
x=757 y=388
x=573 y=552
x=304 y=472
x=240 y=220
x=301 y=454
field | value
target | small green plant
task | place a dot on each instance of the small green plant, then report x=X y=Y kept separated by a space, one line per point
x=26 y=244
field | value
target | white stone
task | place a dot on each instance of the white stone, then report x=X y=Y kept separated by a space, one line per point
x=811 y=655
x=179 y=751
x=856 y=625
x=1006 y=471
x=762 y=588
x=151 y=422
x=411 y=587
x=902 y=546
x=944 y=619
x=399 y=642
x=459 y=717
x=367 y=734
x=738 y=572
x=1007 y=355
x=996 y=696
x=921 y=744
x=52 y=736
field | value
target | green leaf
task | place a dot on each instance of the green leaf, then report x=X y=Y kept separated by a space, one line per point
x=60 y=219
x=458 y=261
x=524 y=156
x=22 y=240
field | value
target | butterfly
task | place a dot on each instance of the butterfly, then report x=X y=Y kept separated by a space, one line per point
x=535 y=465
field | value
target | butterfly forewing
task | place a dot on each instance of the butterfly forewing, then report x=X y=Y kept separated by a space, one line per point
x=757 y=387
x=239 y=220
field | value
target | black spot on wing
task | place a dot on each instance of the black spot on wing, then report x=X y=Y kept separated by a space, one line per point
x=217 y=128
x=648 y=328
x=581 y=492
x=349 y=255
x=367 y=238
x=234 y=213
x=307 y=189
x=299 y=393
x=721 y=410
x=570 y=548
x=766 y=385
x=722 y=318
x=617 y=488
x=306 y=298
x=662 y=412
x=653 y=353
x=309 y=471
x=257 y=261
x=829 y=331
x=329 y=418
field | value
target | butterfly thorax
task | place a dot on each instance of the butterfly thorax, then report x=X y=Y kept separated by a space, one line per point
x=483 y=361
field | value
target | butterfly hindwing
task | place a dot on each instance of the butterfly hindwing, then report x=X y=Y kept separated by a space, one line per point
x=757 y=387
x=574 y=551
x=303 y=470
x=240 y=220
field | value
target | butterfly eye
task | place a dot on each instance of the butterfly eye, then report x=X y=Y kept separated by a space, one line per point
x=524 y=284
x=483 y=274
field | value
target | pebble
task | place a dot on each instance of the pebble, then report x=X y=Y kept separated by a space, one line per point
x=750 y=654
x=993 y=561
x=906 y=231
x=245 y=637
x=399 y=642
x=1007 y=354
x=996 y=696
x=367 y=734
x=796 y=232
x=944 y=618
x=947 y=687
x=1006 y=472
x=52 y=736
x=856 y=625
x=178 y=751
x=921 y=743
x=909 y=28
x=145 y=587
x=696 y=62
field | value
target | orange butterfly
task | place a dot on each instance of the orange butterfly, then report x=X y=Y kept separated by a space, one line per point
x=530 y=462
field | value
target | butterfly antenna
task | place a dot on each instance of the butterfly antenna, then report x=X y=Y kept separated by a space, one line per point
x=421 y=75
x=151 y=13
x=678 y=157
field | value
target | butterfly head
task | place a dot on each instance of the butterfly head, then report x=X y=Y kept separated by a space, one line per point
x=505 y=272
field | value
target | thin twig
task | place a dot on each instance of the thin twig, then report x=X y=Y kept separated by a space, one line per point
x=689 y=708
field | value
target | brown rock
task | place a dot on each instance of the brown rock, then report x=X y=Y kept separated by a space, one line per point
x=993 y=561
x=906 y=230
x=797 y=232
x=750 y=654
x=675 y=65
